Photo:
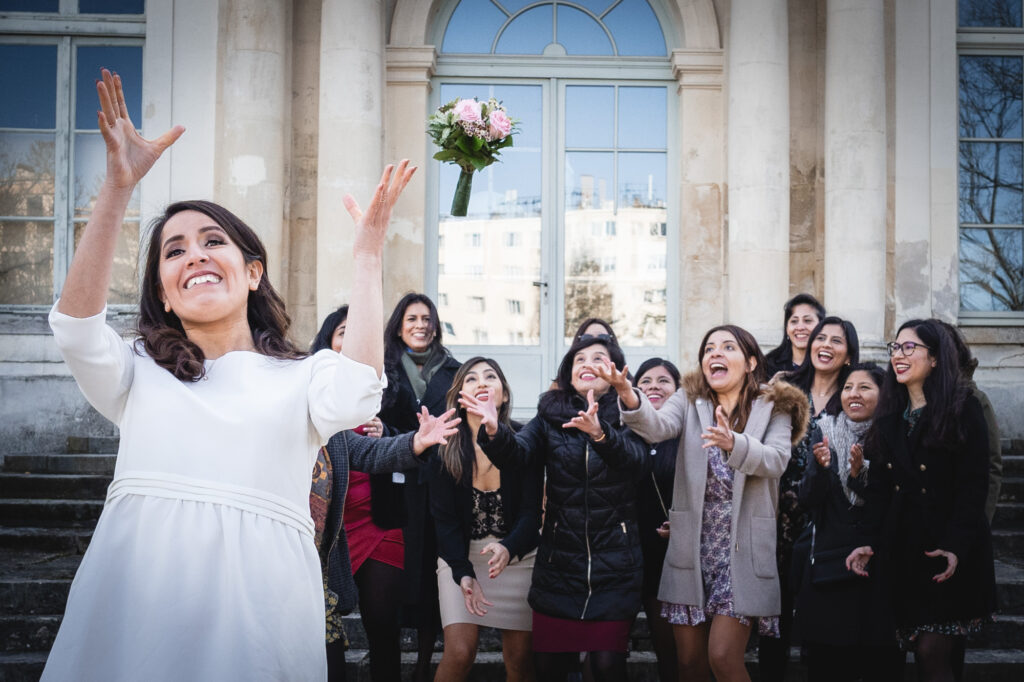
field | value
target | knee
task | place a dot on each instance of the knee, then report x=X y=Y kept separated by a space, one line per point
x=723 y=661
x=460 y=652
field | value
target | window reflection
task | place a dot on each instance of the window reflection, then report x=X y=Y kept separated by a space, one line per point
x=990 y=96
x=589 y=116
x=990 y=13
x=34 y=6
x=493 y=256
x=26 y=174
x=990 y=183
x=992 y=269
x=581 y=34
x=643 y=118
x=111 y=6
x=26 y=262
x=28 y=81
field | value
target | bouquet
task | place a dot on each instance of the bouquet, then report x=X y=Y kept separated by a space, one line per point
x=470 y=135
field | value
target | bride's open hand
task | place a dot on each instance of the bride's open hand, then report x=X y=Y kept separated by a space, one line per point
x=129 y=155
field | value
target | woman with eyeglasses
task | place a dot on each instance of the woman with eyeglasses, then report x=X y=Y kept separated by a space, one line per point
x=833 y=348
x=801 y=315
x=925 y=501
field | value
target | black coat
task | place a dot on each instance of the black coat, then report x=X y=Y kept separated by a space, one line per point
x=924 y=497
x=654 y=490
x=399 y=416
x=589 y=563
x=451 y=505
x=856 y=611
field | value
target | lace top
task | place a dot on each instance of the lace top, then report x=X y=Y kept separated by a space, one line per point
x=488 y=517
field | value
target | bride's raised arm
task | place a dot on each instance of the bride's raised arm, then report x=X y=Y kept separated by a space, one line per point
x=129 y=158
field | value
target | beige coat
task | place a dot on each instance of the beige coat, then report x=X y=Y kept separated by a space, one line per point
x=777 y=419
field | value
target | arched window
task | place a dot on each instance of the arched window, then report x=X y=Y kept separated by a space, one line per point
x=576 y=219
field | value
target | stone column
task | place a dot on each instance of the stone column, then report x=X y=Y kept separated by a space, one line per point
x=409 y=69
x=255 y=121
x=855 y=165
x=701 y=182
x=758 y=163
x=350 y=134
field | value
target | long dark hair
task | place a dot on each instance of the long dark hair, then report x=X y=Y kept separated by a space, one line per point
x=456 y=458
x=944 y=389
x=559 y=400
x=650 y=363
x=782 y=355
x=161 y=333
x=751 y=382
x=325 y=337
x=968 y=363
x=803 y=376
x=393 y=344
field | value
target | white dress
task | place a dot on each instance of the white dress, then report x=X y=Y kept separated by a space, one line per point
x=202 y=565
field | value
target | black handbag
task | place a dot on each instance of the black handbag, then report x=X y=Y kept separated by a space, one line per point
x=828 y=566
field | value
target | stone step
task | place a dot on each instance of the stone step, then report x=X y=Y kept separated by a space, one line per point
x=1008 y=544
x=1012 y=489
x=1009 y=516
x=45 y=539
x=28 y=633
x=1009 y=588
x=22 y=666
x=50 y=513
x=92 y=445
x=33 y=597
x=1007 y=631
x=60 y=464
x=1013 y=465
x=54 y=486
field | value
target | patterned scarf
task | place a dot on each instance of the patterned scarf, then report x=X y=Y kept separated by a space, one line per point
x=842 y=433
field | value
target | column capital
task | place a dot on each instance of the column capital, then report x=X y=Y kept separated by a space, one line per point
x=410 y=65
x=698 y=68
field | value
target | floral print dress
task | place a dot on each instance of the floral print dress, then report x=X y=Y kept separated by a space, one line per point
x=715 y=538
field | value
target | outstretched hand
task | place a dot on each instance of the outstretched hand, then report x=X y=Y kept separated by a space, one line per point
x=129 y=155
x=485 y=409
x=372 y=224
x=619 y=382
x=587 y=421
x=719 y=434
x=433 y=430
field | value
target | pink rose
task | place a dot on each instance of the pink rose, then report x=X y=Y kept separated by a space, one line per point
x=467 y=110
x=501 y=126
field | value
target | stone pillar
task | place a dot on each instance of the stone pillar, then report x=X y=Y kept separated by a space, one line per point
x=409 y=69
x=758 y=163
x=349 y=158
x=254 y=105
x=855 y=165
x=701 y=181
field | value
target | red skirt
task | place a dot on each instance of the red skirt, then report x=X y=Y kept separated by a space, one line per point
x=554 y=635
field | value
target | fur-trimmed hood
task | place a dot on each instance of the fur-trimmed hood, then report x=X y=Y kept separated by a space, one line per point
x=785 y=396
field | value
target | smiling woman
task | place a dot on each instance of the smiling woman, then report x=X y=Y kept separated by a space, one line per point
x=207 y=519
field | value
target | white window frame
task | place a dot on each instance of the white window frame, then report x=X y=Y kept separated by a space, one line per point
x=66 y=28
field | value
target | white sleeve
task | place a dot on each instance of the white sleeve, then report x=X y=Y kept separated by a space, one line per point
x=343 y=393
x=100 y=360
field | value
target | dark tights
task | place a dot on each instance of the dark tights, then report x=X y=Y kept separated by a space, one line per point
x=831 y=663
x=773 y=652
x=939 y=658
x=604 y=666
x=380 y=595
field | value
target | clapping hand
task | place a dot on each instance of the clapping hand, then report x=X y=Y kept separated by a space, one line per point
x=719 y=434
x=856 y=459
x=485 y=409
x=372 y=225
x=587 y=421
x=474 y=596
x=663 y=530
x=497 y=563
x=433 y=430
x=822 y=453
x=129 y=156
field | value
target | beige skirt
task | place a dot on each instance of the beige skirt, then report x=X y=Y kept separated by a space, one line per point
x=507 y=592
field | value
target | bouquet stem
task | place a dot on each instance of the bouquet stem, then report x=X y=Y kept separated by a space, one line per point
x=460 y=202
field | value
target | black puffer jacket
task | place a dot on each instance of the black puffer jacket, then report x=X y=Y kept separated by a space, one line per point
x=588 y=565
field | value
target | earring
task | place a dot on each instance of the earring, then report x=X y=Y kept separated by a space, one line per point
x=167 y=306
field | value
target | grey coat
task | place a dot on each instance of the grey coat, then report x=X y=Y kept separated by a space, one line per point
x=777 y=419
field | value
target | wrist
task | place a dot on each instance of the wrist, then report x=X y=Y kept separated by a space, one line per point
x=600 y=437
x=417 y=444
x=115 y=191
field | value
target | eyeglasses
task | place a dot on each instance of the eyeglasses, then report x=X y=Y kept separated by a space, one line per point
x=600 y=337
x=907 y=348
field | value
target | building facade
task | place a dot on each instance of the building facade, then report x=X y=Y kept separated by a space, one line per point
x=679 y=163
